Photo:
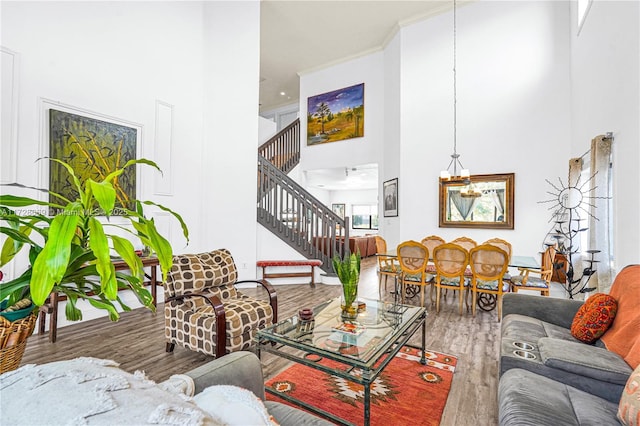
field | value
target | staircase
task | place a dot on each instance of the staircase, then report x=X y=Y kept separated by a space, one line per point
x=288 y=210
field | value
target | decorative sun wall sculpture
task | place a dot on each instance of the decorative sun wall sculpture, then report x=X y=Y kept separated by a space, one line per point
x=570 y=205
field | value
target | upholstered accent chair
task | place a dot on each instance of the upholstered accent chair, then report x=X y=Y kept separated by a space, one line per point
x=488 y=265
x=205 y=312
x=536 y=279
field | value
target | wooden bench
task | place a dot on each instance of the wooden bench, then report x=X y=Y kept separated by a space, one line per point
x=287 y=263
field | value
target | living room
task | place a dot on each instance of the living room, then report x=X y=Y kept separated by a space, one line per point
x=532 y=93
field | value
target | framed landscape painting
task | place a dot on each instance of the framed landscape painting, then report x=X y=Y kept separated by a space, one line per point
x=336 y=116
x=94 y=148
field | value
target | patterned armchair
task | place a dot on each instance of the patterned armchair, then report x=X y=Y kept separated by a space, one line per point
x=204 y=311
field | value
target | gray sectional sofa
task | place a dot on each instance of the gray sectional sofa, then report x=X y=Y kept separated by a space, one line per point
x=547 y=377
x=243 y=369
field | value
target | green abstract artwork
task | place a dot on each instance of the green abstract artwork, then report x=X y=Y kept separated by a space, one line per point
x=93 y=148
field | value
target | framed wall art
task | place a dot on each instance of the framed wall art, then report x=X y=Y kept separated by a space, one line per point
x=94 y=148
x=336 y=116
x=484 y=201
x=390 y=197
x=338 y=209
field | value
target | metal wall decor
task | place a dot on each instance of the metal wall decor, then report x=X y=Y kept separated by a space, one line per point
x=569 y=204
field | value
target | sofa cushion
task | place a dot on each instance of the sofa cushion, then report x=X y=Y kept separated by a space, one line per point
x=526 y=398
x=233 y=405
x=623 y=336
x=629 y=409
x=529 y=329
x=584 y=360
x=594 y=317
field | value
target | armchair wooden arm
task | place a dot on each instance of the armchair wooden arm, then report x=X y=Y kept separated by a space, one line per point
x=221 y=320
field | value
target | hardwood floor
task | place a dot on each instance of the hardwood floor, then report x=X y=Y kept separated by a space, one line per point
x=137 y=343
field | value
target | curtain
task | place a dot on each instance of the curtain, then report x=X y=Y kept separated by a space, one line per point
x=463 y=204
x=497 y=195
x=599 y=219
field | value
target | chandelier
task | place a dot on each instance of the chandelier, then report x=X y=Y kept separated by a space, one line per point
x=455 y=163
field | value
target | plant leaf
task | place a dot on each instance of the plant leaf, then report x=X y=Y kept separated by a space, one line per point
x=104 y=193
x=100 y=247
x=113 y=314
x=185 y=230
x=161 y=247
x=51 y=263
x=125 y=249
x=71 y=310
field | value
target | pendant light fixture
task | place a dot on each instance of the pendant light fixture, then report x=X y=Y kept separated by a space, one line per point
x=449 y=174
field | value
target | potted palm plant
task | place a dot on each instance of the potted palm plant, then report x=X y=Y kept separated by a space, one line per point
x=70 y=251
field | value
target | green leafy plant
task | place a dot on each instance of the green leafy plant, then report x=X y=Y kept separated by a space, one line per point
x=70 y=252
x=348 y=271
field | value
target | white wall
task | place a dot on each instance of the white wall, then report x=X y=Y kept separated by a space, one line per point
x=117 y=59
x=606 y=98
x=351 y=152
x=229 y=175
x=513 y=103
x=389 y=168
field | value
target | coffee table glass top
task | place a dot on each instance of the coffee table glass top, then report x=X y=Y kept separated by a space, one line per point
x=362 y=340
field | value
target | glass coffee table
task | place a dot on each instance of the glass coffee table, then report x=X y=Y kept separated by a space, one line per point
x=362 y=347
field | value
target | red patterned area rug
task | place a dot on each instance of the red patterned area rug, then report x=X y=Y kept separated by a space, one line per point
x=405 y=393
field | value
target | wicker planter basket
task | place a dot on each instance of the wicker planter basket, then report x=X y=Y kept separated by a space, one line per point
x=13 y=340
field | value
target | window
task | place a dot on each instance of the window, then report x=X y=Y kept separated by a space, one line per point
x=364 y=217
x=583 y=9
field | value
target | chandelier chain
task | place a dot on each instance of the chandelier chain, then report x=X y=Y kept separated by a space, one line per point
x=455 y=97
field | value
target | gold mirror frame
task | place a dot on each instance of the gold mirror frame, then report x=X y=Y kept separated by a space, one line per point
x=492 y=193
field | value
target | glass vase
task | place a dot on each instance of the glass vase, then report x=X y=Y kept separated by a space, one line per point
x=349 y=301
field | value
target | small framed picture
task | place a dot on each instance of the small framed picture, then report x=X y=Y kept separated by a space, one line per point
x=338 y=209
x=390 y=200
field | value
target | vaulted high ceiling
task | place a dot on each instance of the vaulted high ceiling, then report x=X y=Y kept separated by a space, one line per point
x=299 y=36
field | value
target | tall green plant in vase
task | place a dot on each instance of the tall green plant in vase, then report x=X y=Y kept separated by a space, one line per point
x=70 y=251
x=348 y=271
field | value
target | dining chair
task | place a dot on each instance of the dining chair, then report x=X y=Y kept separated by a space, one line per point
x=431 y=242
x=451 y=261
x=500 y=243
x=465 y=242
x=488 y=265
x=413 y=258
x=541 y=282
x=506 y=246
x=387 y=265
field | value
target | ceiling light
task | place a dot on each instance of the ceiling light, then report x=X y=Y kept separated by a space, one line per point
x=455 y=157
x=282 y=93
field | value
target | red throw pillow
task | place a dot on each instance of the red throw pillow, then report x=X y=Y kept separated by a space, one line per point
x=594 y=317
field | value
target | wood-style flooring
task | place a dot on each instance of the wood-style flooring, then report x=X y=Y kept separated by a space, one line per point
x=137 y=343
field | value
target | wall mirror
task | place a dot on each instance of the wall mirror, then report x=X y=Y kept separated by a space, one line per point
x=484 y=201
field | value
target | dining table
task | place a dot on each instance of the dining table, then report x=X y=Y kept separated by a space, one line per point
x=486 y=302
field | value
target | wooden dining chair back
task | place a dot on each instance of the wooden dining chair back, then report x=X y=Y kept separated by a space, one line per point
x=413 y=258
x=534 y=278
x=500 y=243
x=431 y=242
x=451 y=261
x=488 y=265
x=465 y=242
x=387 y=265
